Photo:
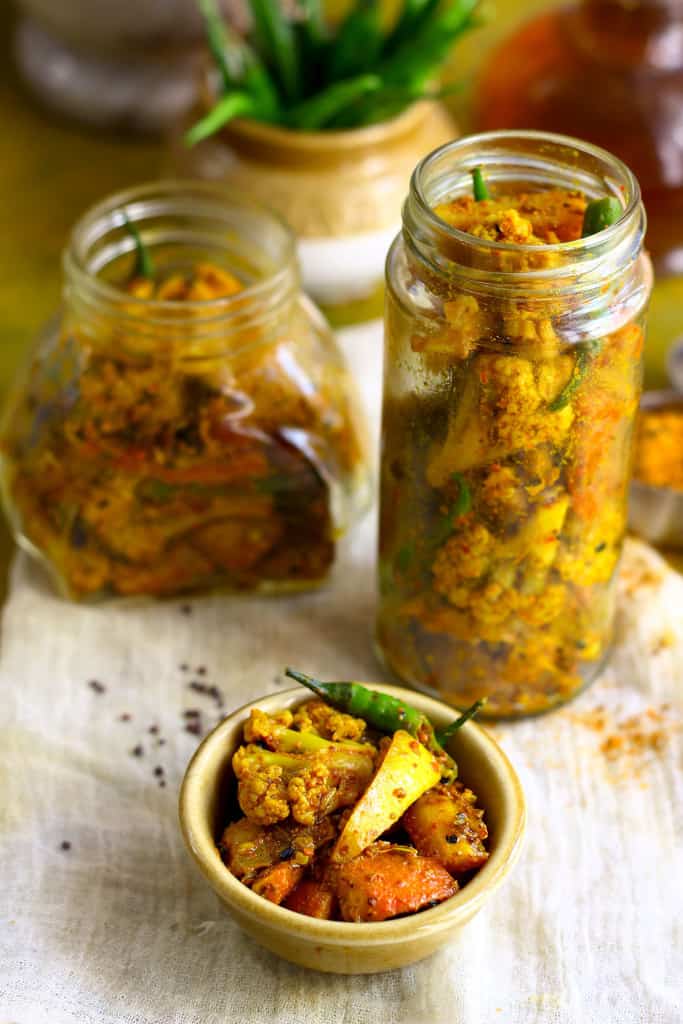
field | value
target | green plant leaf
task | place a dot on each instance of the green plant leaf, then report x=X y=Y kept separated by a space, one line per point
x=233 y=104
x=276 y=38
x=218 y=42
x=358 y=42
x=315 y=113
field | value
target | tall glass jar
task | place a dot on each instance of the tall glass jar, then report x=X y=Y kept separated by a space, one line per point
x=195 y=432
x=512 y=378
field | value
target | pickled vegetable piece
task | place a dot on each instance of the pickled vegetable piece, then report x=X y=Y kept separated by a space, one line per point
x=248 y=848
x=446 y=824
x=276 y=883
x=387 y=880
x=407 y=770
x=313 y=898
x=305 y=775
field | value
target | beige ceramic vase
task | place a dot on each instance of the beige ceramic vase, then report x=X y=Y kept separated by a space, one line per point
x=341 y=193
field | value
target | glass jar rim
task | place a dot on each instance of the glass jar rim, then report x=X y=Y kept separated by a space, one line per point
x=151 y=199
x=418 y=203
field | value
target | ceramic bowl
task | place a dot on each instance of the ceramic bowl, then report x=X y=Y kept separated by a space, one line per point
x=337 y=946
x=656 y=513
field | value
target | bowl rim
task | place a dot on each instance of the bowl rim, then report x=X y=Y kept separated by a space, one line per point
x=453 y=911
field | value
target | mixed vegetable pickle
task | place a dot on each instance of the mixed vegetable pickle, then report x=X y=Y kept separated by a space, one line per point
x=151 y=457
x=505 y=467
x=351 y=818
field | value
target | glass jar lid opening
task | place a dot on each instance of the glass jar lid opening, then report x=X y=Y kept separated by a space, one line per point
x=181 y=224
x=514 y=161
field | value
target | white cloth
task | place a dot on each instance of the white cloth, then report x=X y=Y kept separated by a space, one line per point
x=122 y=929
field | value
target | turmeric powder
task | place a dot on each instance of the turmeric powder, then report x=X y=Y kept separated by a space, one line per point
x=659 y=447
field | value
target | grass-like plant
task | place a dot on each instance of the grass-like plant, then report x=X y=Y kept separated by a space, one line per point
x=306 y=75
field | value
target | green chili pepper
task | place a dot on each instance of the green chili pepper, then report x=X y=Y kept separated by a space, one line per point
x=276 y=36
x=234 y=104
x=479 y=186
x=247 y=71
x=315 y=113
x=443 y=736
x=461 y=506
x=157 y=491
x=600 y=214
x=358 y=42
x=583 y=360
x=388 y=713
x=144 y=267
x=404 y=557
x=464 y=500
x=379 y=710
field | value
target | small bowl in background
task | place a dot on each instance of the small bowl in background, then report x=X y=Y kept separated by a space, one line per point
x=656 y=513
x=340 y=947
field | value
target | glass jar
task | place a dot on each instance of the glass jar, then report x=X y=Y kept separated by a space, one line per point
x=158 y=445
x=512 y=378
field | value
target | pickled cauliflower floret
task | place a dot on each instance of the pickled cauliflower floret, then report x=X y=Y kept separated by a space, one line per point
x=553 y=215
x=272 y=784
x=465 y=555
x=544 y=607
x=538 y=334
x=262 y=790
x=515 y=228
x=515 y=408
x=317 y=717
x=308 y=792
x=502 y=494
x=501 y=411
x=493 y=603
x=466 y=323
x=552 y=375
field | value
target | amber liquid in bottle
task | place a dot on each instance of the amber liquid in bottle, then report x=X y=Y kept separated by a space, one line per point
x=610 y=72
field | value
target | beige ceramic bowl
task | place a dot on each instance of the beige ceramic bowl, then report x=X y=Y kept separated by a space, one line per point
x=338 y=946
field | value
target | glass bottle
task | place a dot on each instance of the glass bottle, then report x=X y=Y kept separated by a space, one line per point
x=159 y=444
x=512 y=378
x=611 y=72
